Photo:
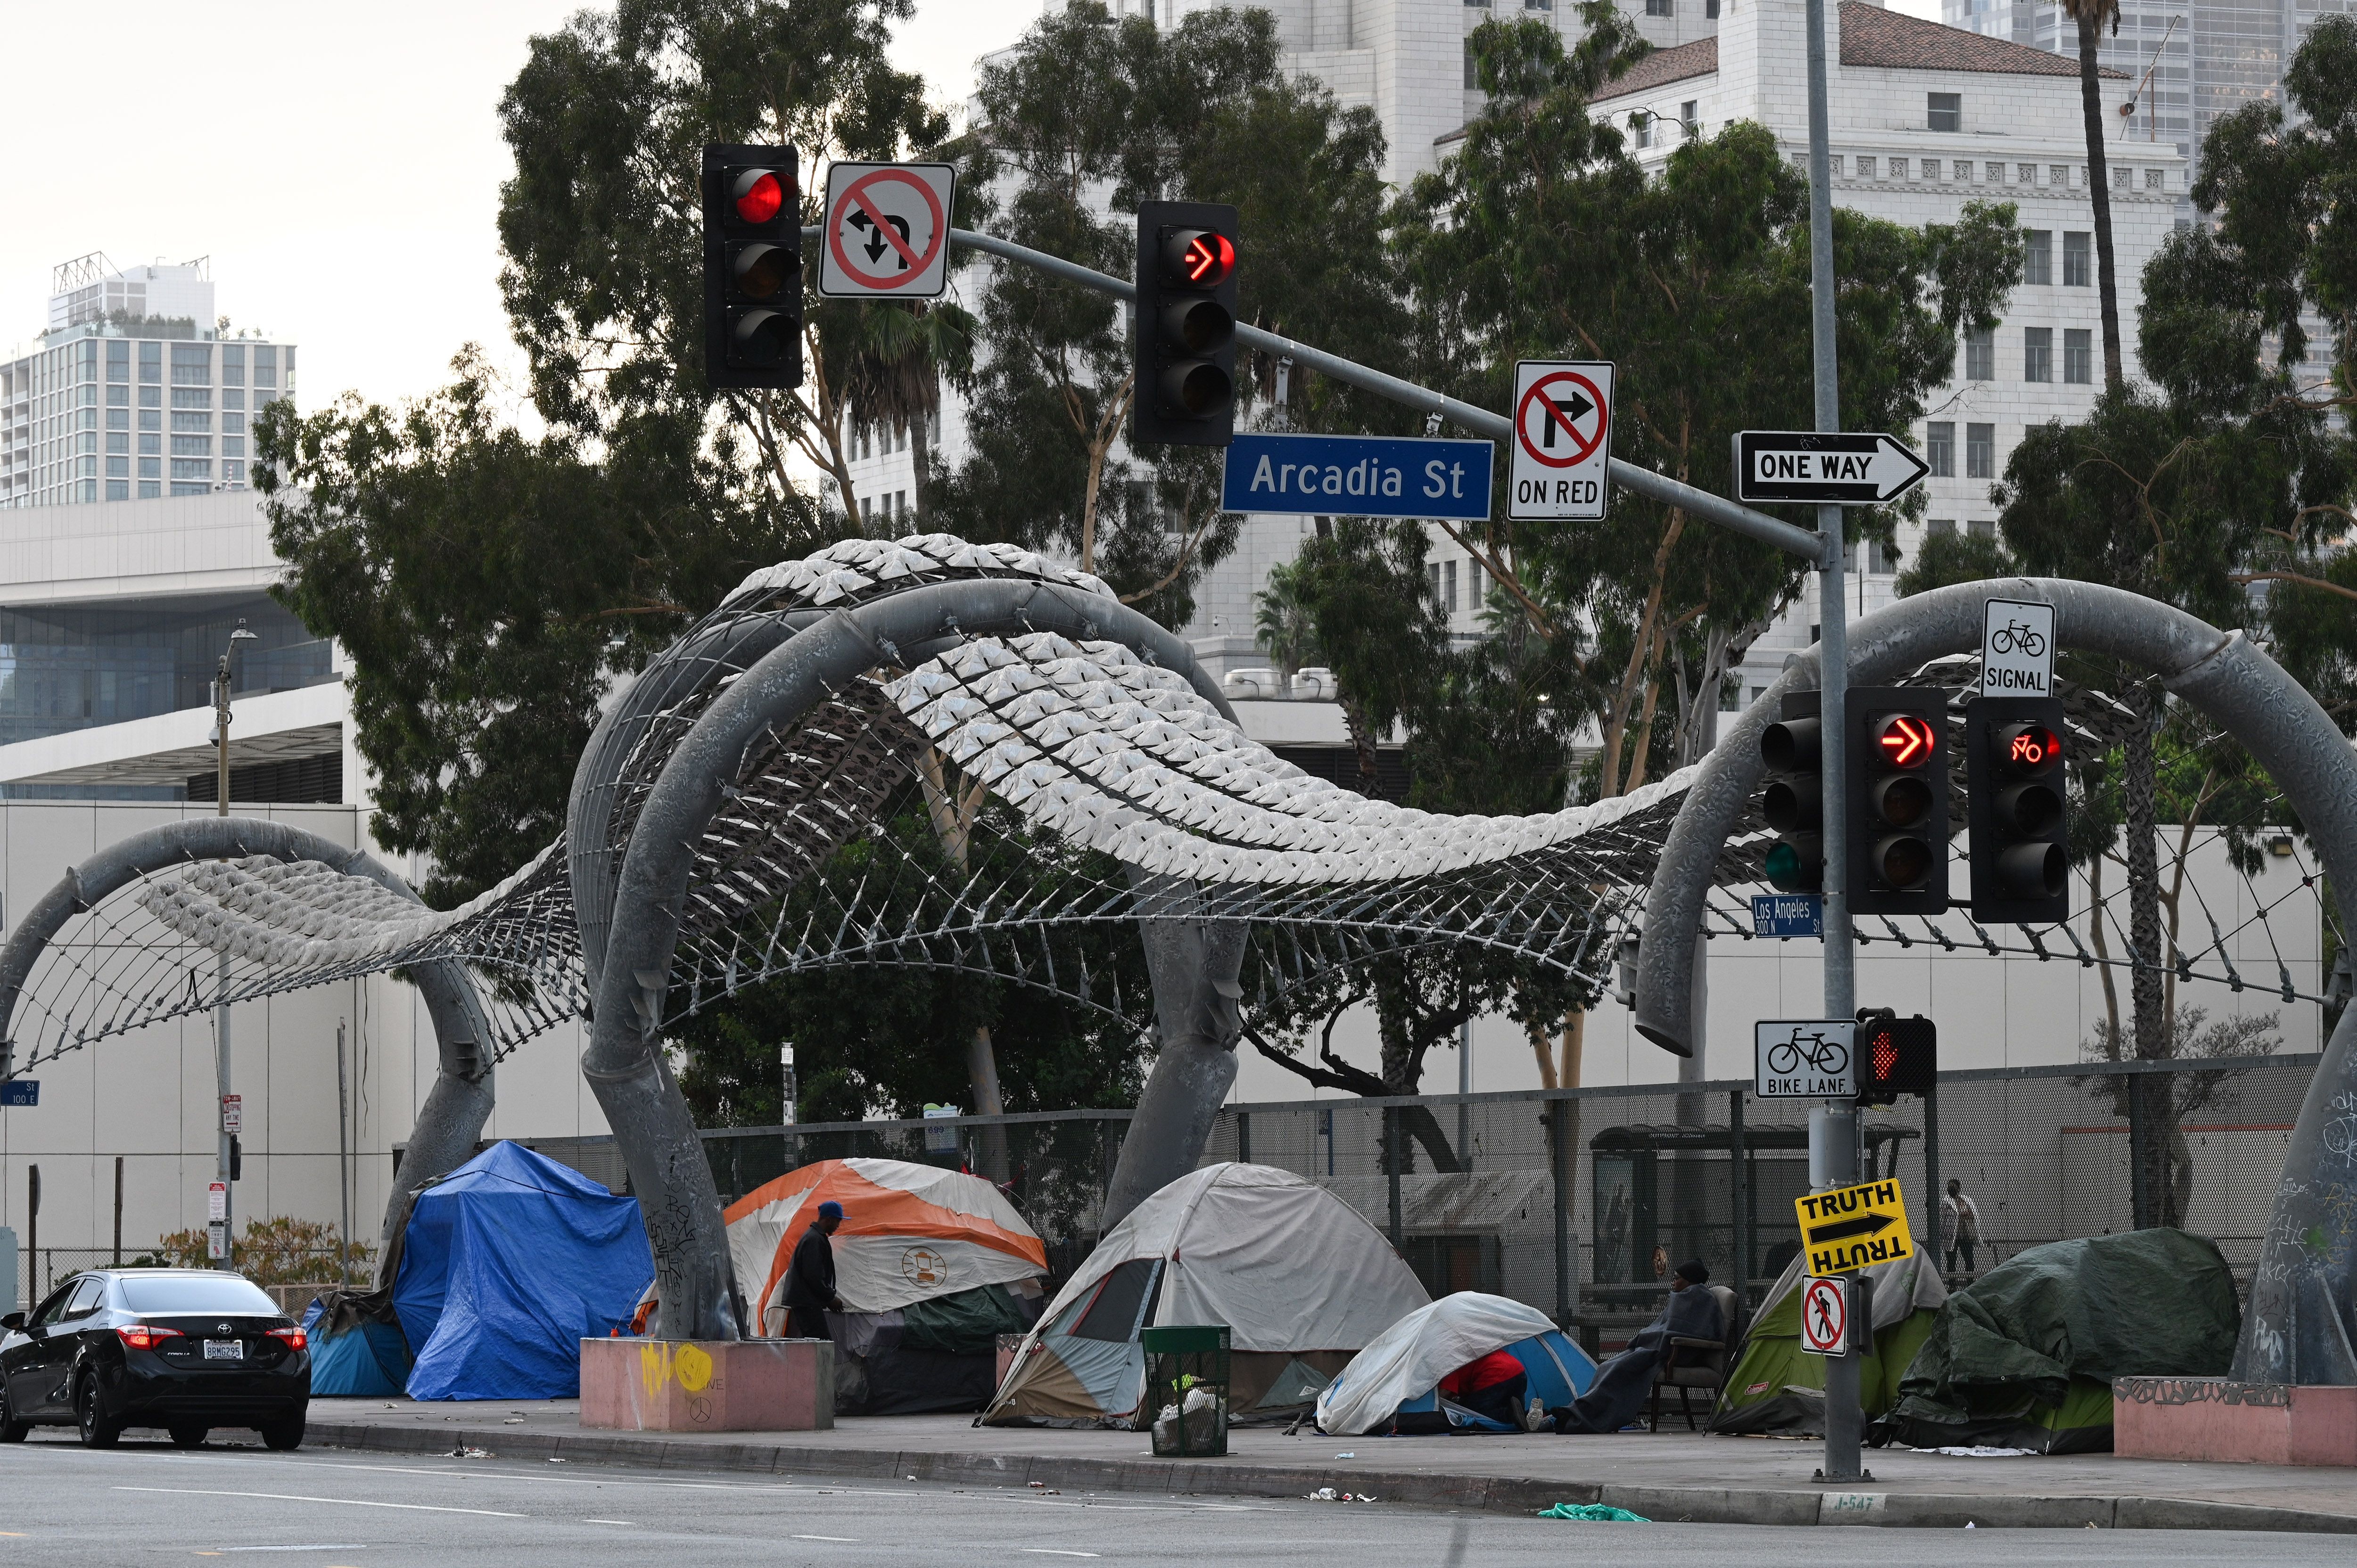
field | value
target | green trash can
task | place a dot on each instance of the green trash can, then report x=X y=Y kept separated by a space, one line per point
x=1186 y=1390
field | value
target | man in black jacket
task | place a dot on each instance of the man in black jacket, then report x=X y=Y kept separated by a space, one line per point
x=810 y=1278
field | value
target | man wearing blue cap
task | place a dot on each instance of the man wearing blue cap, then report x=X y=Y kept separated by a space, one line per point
x=810 y=1278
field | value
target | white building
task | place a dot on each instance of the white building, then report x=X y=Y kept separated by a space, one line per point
x=178 y=394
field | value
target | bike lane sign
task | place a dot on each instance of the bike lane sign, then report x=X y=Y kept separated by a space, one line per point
x=1806 y=1058
x=2017 y=648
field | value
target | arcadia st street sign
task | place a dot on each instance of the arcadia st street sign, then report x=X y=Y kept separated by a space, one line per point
x=1822 y=469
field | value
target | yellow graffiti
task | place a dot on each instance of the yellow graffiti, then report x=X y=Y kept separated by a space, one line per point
x=654 y=1366
x=660 y=1362
x=693 y=1366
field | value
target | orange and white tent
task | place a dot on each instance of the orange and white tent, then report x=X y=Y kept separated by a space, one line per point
x=910 y=1233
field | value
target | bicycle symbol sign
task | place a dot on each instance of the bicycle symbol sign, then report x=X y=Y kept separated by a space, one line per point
x=2017 y=648
x=1813 y=1059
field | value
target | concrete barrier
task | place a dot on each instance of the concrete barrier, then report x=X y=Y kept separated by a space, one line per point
x=2247 y=1424
x=697 y=1385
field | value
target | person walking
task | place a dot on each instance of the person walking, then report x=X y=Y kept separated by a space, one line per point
x=810 y=1278
x=1960 y=1226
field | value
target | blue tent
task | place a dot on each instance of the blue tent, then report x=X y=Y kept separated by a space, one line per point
x=355 y=1354
x=509 y=1262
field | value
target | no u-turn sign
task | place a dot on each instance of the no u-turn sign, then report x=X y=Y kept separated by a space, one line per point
x=1563 y=440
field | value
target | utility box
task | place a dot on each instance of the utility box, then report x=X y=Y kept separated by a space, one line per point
x=1186 y=1390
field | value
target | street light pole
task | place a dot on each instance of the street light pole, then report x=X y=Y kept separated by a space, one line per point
x=1833 y=1127
x=224 y=1139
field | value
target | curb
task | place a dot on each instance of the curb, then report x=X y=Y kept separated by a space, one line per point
x=1493 y=1493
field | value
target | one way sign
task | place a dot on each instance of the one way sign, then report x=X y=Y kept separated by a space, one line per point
x=1840 y=470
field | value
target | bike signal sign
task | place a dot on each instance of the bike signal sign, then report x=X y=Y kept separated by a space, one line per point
x=1824 y=1318
x=2017 y=648
x=1562 y=441
x=1845 y=1229
x=887 y=234
x=1813 y=1059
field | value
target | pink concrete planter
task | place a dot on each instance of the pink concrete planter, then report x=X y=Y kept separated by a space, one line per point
x=2247 y=1424
x=706 y=1385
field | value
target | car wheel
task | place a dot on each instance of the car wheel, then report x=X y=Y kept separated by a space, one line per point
x=283 y=1437
x=11 y=1429
x=185 y=1436
x=98 y=1431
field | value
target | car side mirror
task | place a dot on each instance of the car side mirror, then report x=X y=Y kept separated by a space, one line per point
x=14 y=1320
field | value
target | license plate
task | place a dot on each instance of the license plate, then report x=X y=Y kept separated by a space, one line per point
x=224 y=1349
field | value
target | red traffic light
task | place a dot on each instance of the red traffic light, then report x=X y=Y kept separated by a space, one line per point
x=2028 y=748
x=1905 y=740
x=1201 y=257
x=757 y=195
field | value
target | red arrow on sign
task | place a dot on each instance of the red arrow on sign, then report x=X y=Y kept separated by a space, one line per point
x=856 y=199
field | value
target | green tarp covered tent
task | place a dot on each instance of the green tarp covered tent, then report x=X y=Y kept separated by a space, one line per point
x=1777 y=1386
x=2023 y=1358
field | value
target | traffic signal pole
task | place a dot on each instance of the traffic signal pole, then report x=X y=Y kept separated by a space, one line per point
x=1833 y=1128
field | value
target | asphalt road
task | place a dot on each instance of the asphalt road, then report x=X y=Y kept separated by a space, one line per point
x=145 y=1503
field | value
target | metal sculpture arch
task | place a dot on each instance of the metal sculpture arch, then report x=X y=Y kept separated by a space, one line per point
x=221 y=877
x=2302 y=1321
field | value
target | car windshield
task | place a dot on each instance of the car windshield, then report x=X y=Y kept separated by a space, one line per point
x=195 y=1293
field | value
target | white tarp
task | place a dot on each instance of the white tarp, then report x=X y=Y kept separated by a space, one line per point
x=1408 y=1359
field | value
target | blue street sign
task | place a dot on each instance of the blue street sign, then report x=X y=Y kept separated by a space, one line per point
x=21 y=1092
x=1359 y=476
x=1788 y=915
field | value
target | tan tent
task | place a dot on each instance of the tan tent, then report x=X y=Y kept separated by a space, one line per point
x=1300 y=1278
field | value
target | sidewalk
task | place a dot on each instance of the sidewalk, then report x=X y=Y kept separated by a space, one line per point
x=1670 y=1476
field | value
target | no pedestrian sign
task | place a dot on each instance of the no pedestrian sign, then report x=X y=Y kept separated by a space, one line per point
x=1562 y=441
x=887 y=234
x=1845 y=1229
x=1825 y=1319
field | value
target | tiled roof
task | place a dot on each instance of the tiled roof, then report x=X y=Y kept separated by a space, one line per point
x=1893 y=40
x=1662 y=67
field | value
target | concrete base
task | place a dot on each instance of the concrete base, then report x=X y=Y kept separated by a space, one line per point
x=707 y=1385
x=2246 y=1423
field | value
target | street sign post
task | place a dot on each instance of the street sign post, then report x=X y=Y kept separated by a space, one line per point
x=2017 y=648
x=1357 y=476
x=232 y=1113
x=217 y=1202
x=1826 y=470
x=20 y=1092
x=1562 y=441
x=1845 y=1229
x=1787 y=915
x=886 y=231
x=1809 y=1058
x=1824 y=1318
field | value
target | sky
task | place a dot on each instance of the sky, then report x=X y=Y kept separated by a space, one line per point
x=339 y=164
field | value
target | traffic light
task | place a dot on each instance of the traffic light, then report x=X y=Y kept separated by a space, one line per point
x=1895 y=1056
x=236 y=1159
x=2013 y=772
x=752 y=267
x=1896 y=766
x=1793 y=802
x=1184 y=337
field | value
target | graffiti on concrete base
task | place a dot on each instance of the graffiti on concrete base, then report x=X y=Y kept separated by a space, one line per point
x=2200 y=1390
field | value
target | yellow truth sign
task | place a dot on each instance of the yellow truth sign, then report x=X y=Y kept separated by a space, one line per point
x=1849 y=1227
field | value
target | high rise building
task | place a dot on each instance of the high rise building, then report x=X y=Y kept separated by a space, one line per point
x=135 y=391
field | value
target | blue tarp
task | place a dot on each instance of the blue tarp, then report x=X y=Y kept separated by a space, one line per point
x=509 y=1262
x=1558 y=1371
x=364 y=1360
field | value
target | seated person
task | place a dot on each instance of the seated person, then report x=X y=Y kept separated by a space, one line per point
x=1623 y=1383
x=1493 y=1386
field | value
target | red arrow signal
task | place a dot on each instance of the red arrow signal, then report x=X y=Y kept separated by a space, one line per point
x=1906 y=741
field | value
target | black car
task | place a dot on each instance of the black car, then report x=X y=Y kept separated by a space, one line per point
x=185 y=1350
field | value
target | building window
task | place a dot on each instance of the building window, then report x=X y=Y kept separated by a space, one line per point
x=2155 y=178
x=2078 y=356
x=150 y=446
x=1941 y=525
x=192 y=397
x=232 y=424
x=150 y=397
x=118 y=489
x=1834 y=163
x=118 y=361
x=151 y=365
x=1993 y=173
x=1710 y=9
x=2037 y=353
x=1982 y=528
x=192 y=446
x=1448 y=586
x=1944 y=111
x=233 y=398
x=1538 y=4
x=151 y=419
x=2057 y=175
x=265 y=364
x=2037 y=256
x=1865 y=168
x=150 y=468
x=2078 y=260
x=1661 y=7
x=1472 y=69
x=1940 y=447
x=1931 y=168
x=118 y=468
x=149 y=490
x=1980 y=451
x=118 y=397
x=1899 y=168
x=192 y=364
x=2124 y=179
x=1688 y=120
x=1478 y=4
x=1980 y=356
x=119 y=441
x=202 y=423
x=233 y=472
x=1643 y=124
x=2024 y=174
x=232 y=364
x=118 y=419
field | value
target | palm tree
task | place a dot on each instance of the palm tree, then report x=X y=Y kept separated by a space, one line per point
x=2092 y=16
x=902 y=355
x=1282 y=623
